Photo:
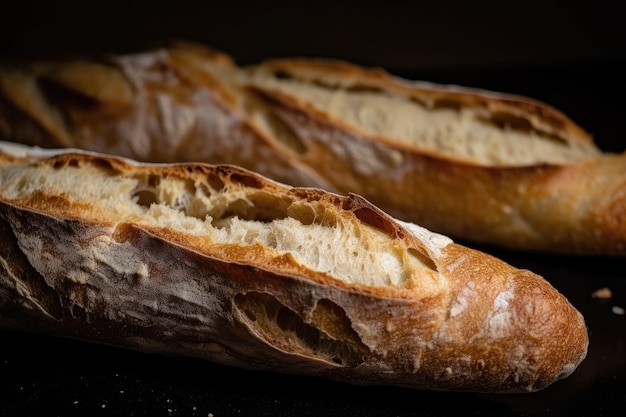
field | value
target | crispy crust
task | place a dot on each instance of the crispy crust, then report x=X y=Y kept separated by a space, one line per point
x=466 y=322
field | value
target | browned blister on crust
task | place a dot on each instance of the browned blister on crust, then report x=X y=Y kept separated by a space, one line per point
x=220 y=263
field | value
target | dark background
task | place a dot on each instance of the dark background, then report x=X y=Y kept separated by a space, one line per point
x=569 y=54
x=398 y=35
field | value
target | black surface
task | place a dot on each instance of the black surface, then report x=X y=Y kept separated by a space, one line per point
x=47 y=376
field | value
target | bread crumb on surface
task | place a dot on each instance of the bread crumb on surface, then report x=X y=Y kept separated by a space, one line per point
x=602 y=293
x=618 y=310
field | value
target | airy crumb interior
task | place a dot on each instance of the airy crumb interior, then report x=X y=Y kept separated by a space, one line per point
x=445 y=126
x=316 y=236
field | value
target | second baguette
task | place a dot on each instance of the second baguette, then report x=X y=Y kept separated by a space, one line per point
x=475 y=165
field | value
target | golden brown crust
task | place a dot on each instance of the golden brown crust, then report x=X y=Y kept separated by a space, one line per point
x=340 y=73
x=185 y=102
x=70 y=265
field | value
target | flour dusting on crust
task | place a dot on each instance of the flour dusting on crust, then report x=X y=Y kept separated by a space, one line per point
x=433 y=241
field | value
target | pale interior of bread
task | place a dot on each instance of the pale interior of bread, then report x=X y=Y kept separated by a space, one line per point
x=444 y=126
x=317 y=236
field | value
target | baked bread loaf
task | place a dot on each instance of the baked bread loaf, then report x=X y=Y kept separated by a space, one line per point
x=475 y=165
x=220 y=263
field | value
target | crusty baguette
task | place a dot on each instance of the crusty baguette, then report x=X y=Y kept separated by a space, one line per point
x=474 y=165
x=220 y=263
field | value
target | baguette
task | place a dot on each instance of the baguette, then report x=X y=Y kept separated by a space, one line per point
x=220 y=263
x=478 y=166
